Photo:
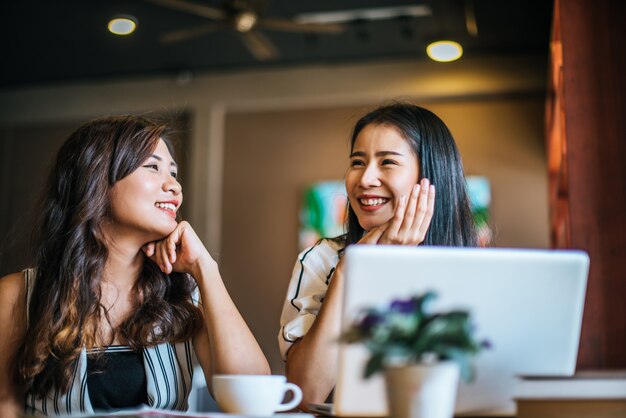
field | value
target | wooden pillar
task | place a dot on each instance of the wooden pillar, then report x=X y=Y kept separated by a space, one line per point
x=586 y=137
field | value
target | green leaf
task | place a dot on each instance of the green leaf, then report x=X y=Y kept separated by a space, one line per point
x=451 y=328
x=374 y=364
x=424 y=299
x=352 y=335
x=461 y=357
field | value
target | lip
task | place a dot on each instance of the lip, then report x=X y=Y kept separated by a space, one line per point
x=173 y=202
x=371 y=196
x=169 y=212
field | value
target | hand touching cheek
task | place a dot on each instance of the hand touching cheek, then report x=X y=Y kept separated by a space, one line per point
x=411 y=219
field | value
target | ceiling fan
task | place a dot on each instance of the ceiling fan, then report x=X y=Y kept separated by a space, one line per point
x=244 y=16
x=245 y=19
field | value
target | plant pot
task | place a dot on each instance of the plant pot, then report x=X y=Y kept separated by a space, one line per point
x=422 y=390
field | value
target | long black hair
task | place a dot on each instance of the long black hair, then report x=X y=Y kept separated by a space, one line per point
x=439 y=162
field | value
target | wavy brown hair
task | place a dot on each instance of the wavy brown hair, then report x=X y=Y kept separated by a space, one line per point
x=71 y=251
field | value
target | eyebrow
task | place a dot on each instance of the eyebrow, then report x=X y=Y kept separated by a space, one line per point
x=377 y=154
x=156 y=157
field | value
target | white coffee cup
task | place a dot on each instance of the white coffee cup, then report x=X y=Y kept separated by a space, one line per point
x=254 y=395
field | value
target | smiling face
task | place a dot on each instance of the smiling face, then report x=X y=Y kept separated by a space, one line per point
x=383 y=167
x=146 y=201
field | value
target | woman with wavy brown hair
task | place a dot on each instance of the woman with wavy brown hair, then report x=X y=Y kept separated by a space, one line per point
x=110 y=317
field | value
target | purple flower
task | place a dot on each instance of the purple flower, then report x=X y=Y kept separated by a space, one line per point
x=403 y=306
x=370 y=321
x=486 y=344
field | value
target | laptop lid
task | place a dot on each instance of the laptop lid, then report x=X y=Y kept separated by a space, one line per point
x=527 y=303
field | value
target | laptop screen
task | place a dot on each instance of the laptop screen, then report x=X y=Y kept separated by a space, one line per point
x=527 y=303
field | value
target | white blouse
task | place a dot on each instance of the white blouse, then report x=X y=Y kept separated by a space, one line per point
x=309 y=282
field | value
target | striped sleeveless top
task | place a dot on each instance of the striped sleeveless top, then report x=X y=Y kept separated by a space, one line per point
x=169 y=373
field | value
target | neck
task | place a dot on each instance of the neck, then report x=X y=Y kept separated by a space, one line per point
x=123 y=266
x=121 y=272
x=124 y=262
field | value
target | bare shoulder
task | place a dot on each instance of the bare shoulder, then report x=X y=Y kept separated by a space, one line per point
x=12 y=300
x=12 y=289
x=12 y=315
x=12 y=331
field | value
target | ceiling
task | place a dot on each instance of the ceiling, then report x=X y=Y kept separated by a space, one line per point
x=47 y=42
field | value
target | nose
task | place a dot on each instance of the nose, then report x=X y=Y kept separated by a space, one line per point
x=172 y=185
x=370 y=177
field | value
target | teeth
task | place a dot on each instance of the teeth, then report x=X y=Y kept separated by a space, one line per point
x=373 y=202
x=169 y=206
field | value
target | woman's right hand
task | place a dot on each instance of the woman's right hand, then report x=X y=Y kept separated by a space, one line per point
x=411 y=219
x=181 y=251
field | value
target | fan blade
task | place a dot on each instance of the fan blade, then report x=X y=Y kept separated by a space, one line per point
x=259 y=45
x=375 y=13
x=192 y=8
x=291 y=26
x=470 y=18
x=175 y=36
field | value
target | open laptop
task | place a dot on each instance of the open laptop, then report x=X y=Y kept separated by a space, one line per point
x=527 y=303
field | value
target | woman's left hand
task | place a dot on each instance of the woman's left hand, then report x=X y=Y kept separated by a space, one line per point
x=181 y=251
x=411 y=220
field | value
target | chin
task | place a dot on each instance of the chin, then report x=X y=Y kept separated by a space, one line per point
x=162 y=232
x=368 y=226
x=373 y=222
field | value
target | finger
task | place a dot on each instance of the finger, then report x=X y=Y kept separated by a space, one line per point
x=422 y=205
x=148 y=249
x=373 y=236
x=394 y=224
x=158 y=259
x=166 y=267
x=176 y=238
x=430 y=210
x=171 y=248
x=409 y=214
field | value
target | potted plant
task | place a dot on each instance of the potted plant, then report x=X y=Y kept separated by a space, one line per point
x=423 y=354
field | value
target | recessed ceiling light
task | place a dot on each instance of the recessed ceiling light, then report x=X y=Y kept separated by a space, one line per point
x=444 y=51
x=122 y=25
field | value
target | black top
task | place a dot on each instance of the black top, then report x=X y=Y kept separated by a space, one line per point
x=116 y=379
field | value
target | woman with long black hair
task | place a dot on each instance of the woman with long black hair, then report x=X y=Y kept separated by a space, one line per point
x=123 y=297
x=401 y=157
